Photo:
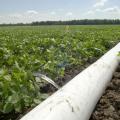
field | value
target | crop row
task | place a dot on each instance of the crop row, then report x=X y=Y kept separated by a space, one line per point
x=48 y=50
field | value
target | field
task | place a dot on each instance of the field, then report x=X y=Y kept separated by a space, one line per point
x=48 y=50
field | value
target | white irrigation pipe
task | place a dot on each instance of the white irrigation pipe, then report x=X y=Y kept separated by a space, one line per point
x=77 y=99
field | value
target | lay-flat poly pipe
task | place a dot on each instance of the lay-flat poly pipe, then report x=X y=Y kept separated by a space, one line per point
x=77 y=99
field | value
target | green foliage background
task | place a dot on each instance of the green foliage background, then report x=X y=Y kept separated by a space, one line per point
x=48 y=50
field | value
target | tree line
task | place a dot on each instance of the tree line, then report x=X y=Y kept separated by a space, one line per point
x=71 y=22
x=78 y=22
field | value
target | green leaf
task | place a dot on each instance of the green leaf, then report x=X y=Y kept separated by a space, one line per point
x=8 y=107
x=7 y=77
x=18 y=107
